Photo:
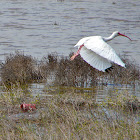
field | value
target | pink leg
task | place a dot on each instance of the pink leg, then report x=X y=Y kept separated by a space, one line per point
x=77 y=53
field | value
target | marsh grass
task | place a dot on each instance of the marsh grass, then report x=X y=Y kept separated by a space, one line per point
x=75 y=73
x=48 y=65
x=70 y=112
x=129 y=75
x=22 y=69
x=78 y=73
x=124 y=101
x=63 y=116
x=18 y=68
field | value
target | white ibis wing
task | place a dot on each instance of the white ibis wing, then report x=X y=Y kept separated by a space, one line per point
x=94 y=59
x=100 y=47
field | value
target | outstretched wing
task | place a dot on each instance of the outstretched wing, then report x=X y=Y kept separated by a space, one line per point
x=94 y=59
x=97 y=45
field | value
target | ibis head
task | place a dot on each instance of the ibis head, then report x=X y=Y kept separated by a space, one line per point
x=117 y=33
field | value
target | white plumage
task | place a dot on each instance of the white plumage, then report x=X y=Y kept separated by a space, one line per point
x=96 y=52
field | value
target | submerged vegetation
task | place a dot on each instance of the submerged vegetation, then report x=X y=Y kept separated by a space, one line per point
x=70 y=109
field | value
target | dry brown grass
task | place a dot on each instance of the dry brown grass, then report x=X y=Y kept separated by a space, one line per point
x=19 y=68
x=48 y=65
x=75 y=73
x=63 y=116
x=128 y=75
x=124 y=102
x=66 y=114
x=79 y=73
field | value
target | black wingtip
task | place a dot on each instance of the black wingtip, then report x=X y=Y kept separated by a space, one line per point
x=109 y=69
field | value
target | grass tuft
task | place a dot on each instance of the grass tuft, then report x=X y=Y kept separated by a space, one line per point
x=124 y=101
x=18 y=69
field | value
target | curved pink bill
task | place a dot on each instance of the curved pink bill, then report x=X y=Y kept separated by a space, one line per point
x=124 y=36
x=26 y=107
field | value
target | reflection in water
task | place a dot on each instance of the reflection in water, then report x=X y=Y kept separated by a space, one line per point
x=98 y=93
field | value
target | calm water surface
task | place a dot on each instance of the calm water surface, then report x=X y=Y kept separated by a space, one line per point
x=39 y=27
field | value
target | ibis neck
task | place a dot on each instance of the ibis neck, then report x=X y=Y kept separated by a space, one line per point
x=109 y=38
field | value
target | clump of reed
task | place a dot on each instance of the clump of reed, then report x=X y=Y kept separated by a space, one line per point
x=128 y=75
x=18 y=68
x=79 y=73
x=66 y=72
x=75 y=73
x=48 y=65
x=63 y=116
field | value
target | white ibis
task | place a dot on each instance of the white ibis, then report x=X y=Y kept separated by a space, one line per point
x=96 y=52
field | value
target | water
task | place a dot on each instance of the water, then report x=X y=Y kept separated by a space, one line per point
x=100 y=93
x=41 y=27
